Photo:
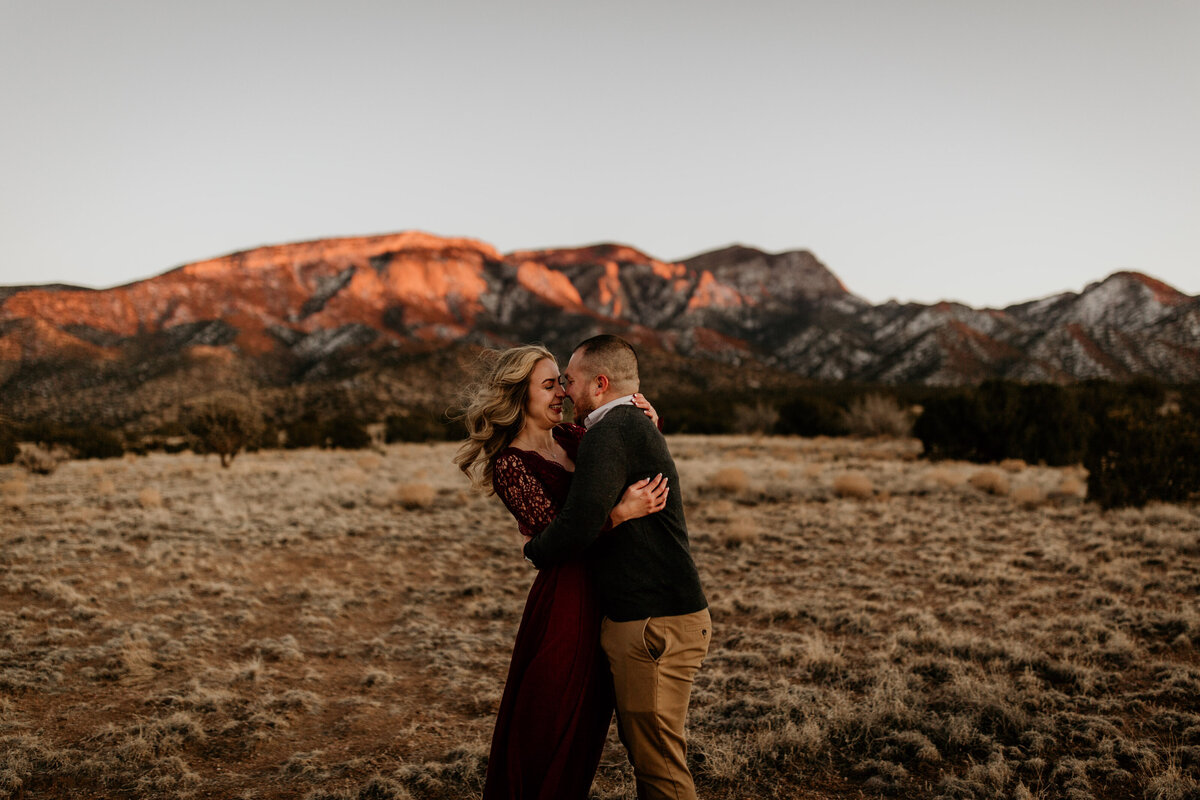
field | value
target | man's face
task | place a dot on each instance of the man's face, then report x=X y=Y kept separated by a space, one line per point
x=580 y=386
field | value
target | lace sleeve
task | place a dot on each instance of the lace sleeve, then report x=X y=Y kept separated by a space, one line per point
x=523 y=494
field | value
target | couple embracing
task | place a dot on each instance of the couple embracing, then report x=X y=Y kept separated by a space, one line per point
x=616 y=615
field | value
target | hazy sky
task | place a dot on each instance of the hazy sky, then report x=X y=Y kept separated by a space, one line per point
x=986 y=151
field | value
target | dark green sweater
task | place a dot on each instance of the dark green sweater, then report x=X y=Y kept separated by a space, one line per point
x=643 y=568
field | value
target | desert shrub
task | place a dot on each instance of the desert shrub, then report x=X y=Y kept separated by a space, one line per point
x=347 y=432
x=739 y=531
x=150 y=498
x=93 y=441
x=223 y=423
x=1003 y=420
x=421 y=425
x=304 y=432
x=877 y=415
x=1028 y=496
x=89 y=441
x=947 y=479
x=992 y=481
x=415 y=495
x=1070 y=486
x=1138 y=455
x=40 y=460
x=762 y=417
x=811 y=416
x=8 y=442
x=696 y=413
x=853 y=484
x=729 y=480
x=13 y=493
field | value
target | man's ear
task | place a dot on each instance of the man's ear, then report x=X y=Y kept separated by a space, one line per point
x=602 y=382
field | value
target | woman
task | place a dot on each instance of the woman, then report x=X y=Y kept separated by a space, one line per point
x=557 y=701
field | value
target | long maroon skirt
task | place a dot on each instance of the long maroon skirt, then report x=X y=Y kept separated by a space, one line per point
x=558 y=699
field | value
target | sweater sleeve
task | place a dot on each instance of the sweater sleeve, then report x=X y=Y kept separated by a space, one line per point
x=599 y=481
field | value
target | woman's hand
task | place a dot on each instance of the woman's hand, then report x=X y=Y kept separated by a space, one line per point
x=641 y=402
x=645 y=497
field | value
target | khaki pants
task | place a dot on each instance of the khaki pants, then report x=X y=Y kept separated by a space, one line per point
x=653 y=663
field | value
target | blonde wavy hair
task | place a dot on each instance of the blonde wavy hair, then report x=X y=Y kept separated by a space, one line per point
x=493 y=408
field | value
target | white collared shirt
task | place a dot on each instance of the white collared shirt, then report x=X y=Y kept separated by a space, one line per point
x=599 y=413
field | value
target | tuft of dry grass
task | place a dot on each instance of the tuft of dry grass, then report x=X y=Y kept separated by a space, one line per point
x=739 y=531
x=853 y=484
x=369 y=462
x=1028 y=496
x=1070 y=487
x=150 y=498
x=945 y=478
x=990 y=480
x=13 y=492
x=1013 y=465
x=351 y=476
x=729 y=480
x=415 y=495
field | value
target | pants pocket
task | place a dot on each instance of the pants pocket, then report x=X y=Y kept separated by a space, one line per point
x=654 y=639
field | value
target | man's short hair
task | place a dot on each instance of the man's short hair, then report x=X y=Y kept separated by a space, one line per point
x=612 y=357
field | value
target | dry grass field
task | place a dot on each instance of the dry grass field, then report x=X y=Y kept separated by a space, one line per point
x=337 y=625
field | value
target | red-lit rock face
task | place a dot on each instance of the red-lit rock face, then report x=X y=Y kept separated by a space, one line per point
x=735 y=304
x=439 y=283
x=306 y=287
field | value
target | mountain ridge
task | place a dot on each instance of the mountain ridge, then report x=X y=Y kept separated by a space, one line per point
x=299 y=311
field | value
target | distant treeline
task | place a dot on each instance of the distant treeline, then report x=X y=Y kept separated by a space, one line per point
x=1140 y=441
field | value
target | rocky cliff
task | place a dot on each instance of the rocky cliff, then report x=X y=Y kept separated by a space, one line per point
x=292 y=313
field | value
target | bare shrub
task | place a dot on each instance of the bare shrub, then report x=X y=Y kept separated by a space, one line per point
x=991 y=481
x=40 y=461
x=853 y=484
x=1013 y=465
x=877 y=415
x=1028 y=496
x=415 y=495
x=150 y=498
x=729 y=480
x=223 y=423
x=759 y=418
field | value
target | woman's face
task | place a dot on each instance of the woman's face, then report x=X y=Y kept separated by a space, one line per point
x=544 y=408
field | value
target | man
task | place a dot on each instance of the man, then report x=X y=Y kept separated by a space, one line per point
x=656 y=626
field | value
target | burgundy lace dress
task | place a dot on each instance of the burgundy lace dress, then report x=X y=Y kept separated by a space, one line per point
x=557 y=701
